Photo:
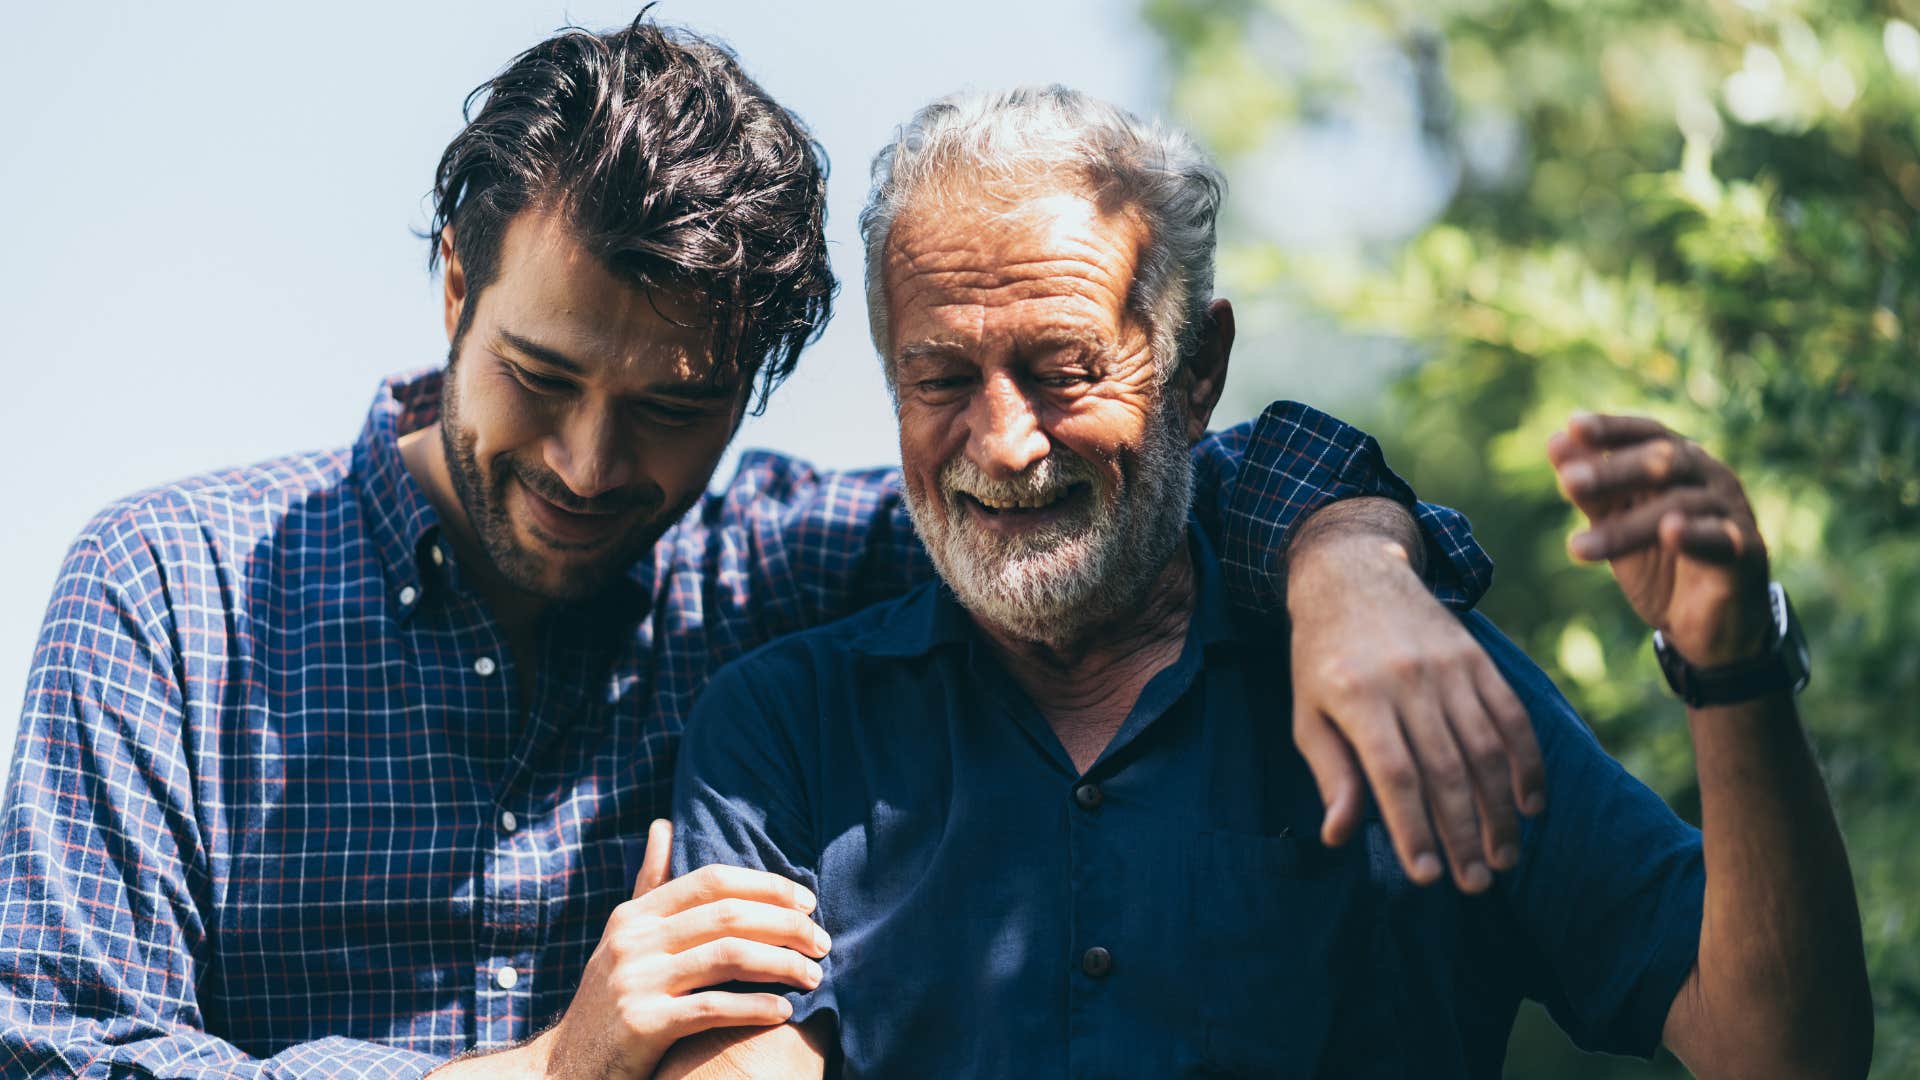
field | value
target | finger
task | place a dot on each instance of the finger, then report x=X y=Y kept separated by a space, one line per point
x=1601 y=431
x=1396 y=782
x=740 y=960
x=1510 y=718
x=1709 y=539
x=748 y=919
x=721 y=882
x=1485 y=754
x=1449 y=791
x=657 y=862
x=1335 y=772
x=691 y=1014
x=1638 y=527
x=1595 y=483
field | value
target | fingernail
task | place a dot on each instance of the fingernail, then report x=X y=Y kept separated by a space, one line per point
x=1578 y=475
x=1506 y=857
x=1535 y=804
x=786 y=1007
x=804 y=898
x=1426 y=867
x=820 y=940
x=814 y=973
x=1477 y=877
x=1585 y=545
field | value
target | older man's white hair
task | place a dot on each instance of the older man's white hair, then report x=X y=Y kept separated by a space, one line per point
x=1036 y=134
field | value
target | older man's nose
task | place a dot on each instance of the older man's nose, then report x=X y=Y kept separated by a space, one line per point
x=1006 y=437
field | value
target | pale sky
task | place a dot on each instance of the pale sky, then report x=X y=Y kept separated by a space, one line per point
x=208 y=256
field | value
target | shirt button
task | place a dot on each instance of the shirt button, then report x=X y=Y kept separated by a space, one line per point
x=508 y=822
x=1088 y=796
x=485 y=666
x=1096 y=962
x=439 y=557
x=506 y=977
x=408 y=595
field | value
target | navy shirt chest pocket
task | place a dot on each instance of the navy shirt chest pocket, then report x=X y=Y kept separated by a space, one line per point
x=1289 y=932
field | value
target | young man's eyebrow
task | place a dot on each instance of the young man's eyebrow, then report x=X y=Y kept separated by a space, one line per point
x=701 y=391
x=548 y=356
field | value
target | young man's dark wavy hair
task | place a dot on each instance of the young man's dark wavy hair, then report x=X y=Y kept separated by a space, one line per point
x=671 y=165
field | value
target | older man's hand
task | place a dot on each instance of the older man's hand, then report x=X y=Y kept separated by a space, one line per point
x=1390 y=690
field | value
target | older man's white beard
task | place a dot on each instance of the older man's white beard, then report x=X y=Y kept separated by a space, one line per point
x=1051 y=583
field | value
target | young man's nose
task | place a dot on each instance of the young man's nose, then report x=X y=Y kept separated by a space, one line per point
x=589 y=454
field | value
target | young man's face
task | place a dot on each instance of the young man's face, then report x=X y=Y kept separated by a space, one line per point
x=578 y=420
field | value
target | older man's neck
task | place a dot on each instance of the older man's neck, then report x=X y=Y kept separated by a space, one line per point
x=1086 y=685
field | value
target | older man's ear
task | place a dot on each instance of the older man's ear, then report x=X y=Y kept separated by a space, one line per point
x=1203 y=374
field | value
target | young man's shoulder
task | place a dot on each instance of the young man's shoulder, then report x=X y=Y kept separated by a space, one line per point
x=228 y=515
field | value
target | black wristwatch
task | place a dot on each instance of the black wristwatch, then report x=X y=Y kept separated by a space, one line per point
x=1784 y=666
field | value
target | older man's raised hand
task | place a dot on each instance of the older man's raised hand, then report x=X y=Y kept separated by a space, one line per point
x=1391 y=691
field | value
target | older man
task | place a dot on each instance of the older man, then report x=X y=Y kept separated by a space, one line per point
x=1050 y=834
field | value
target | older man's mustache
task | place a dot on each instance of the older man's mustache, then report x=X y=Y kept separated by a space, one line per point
x=1050 y=479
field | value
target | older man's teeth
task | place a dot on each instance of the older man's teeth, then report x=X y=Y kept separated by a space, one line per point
x=1026 y=502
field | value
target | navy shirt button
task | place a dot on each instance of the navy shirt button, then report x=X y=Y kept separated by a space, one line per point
x=1096 y=962
x=1088 y=796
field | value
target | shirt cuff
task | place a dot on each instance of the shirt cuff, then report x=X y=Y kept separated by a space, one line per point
x=1299 y=459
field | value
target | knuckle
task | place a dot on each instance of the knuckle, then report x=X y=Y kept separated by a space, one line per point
x=1489 y=761
x=729 y=914
x=1341 y=678
x=1399 y=778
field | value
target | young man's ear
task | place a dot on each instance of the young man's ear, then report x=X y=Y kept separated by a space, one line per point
x=453 y=280
x=1203 y=375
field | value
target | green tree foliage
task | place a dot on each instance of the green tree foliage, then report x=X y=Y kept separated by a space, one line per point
x=1703 y=212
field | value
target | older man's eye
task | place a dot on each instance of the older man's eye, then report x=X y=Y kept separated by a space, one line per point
x=945 y=382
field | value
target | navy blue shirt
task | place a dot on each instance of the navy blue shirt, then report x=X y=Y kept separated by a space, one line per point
x=1170 y=912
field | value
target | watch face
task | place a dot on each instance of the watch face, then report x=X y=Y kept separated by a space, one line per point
x=1794 y=649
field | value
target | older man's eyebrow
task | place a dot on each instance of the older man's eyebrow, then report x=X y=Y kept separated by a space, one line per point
x=923 y=351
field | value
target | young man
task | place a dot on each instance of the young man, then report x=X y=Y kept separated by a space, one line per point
x=337 y=765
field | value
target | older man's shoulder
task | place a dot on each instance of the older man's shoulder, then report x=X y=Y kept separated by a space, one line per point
x=902 y=626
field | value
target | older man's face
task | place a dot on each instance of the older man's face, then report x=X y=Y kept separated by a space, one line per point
x=1045 y=463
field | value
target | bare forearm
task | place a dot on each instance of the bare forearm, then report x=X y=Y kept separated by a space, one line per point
x=1781 y=975
x=1368 y=519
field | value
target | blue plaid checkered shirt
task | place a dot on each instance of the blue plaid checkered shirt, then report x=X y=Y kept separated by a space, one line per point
x=279 y=807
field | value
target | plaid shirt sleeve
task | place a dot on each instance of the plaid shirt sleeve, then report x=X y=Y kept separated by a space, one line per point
x=824 y=544
x=1262 y=480
x=104 y=877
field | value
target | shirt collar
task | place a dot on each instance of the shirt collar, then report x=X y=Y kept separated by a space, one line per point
x=402 y=522
x=931 y=616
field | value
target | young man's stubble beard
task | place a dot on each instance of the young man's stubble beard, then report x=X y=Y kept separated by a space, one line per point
x=1050 y=583
x=483 y=499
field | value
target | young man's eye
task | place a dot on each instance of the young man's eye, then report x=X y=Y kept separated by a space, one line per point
x=538 y=383
x=670 y=415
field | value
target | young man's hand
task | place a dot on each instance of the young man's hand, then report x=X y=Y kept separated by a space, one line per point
x=1391 y=691
x=644 y=987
